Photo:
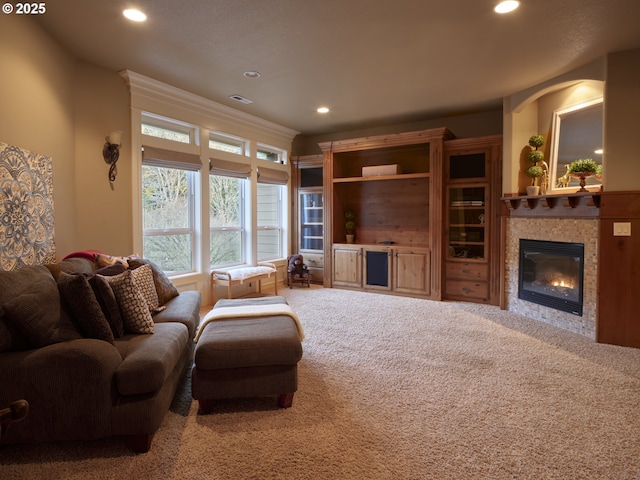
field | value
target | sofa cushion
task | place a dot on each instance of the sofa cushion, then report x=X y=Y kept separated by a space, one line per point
x=143 y=278
x=79 y=296
x=33 y=306
x=185 y=308
x=148 y=360
x=165 y=288
x=136 y=316
x=108 y=303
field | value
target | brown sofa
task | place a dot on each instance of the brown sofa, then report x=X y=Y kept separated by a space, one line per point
x=83 y=380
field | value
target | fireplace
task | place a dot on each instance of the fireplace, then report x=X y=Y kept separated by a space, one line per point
x=552 y=274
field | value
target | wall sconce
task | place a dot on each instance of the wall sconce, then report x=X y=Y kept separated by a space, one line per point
x=111 y=152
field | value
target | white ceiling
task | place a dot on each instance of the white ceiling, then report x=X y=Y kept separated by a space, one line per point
x=373 y=62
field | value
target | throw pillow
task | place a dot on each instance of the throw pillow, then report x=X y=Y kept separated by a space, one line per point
x=108 y=303
x=143 y=278
x=103 y=260
x=110 y=270
x=136 y=316
x=165 y=288
x=79 y=296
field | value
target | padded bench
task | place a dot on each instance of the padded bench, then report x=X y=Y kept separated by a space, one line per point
x=239 y=275
x=247 y=348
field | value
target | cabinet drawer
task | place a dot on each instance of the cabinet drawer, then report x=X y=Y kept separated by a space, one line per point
x=462 y=288
x=467 y=271
x=313 y=259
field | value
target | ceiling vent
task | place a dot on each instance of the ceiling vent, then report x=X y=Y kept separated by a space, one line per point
x=241 y=99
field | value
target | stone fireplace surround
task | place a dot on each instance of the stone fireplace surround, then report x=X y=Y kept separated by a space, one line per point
x=578 y=230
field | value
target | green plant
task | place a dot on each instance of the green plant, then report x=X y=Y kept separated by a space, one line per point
x=583 y=165
x=350 y=225
x=535 y=156
x=534 y=171
x=536 y=141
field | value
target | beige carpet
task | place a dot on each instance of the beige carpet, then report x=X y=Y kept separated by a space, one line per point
x=397 y=388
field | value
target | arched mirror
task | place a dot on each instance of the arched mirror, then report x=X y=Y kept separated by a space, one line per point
x=576 y=133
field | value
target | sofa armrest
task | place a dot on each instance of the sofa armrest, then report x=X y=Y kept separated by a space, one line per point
x=59 y=382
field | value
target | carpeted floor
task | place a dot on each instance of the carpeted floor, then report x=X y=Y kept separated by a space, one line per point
x=396 y=388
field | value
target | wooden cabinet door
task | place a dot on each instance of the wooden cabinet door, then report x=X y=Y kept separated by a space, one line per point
x=347 y=266
x=411 y=271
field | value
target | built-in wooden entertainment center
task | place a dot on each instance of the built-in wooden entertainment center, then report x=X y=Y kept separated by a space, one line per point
x=427 y=220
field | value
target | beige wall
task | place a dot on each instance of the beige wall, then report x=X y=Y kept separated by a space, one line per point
x=57 y=106
x=104 y=210
x=36 y=98
x=621 y=121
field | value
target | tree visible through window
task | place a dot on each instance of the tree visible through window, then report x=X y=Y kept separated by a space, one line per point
x=226 y=220
x=168 y=232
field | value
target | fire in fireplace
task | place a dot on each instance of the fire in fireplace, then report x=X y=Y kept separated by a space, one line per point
x=552 y=274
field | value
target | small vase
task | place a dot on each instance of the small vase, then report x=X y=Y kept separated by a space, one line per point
x=583 y=179
x=533 y=190
x=350 y=238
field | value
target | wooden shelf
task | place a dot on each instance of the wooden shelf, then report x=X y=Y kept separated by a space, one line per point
x=377 y=178
x=583 y=205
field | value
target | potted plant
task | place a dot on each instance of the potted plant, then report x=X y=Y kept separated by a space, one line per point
x=583 y=168
x=350 y=225
x=535 y=171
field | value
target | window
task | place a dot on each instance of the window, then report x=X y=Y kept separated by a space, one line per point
x=271 y=154
x=226 y=218
x=168 y=217
x=269 y=218
x=160 y=127
x=227 y=143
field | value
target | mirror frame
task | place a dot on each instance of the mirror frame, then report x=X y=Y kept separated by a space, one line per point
x=555 y=143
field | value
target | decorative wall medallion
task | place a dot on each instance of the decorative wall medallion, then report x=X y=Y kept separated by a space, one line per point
x=26 y=208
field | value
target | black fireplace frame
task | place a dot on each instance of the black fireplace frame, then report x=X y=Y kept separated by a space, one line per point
x=552 y=248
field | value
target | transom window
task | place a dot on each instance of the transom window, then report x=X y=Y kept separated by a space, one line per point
x=227 y=143
x=271 y=154
x=161 y=127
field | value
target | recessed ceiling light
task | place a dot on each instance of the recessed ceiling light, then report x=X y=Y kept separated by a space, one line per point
x=134 y=15
x=252 y=74
x=598 y=151
x=323 y=110
x=507 y=6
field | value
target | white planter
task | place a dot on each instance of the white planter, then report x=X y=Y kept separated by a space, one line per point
x=533 y=190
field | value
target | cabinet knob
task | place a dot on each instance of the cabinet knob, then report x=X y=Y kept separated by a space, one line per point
x=466 y=272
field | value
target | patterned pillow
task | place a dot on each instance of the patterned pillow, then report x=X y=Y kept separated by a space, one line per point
x=136 y=316
x=103 y=260
x=143 y=278
x=84 y=306
x=164 y=286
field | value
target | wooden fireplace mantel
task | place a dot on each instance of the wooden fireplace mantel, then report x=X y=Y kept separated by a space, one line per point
x=569 y=205
x=618 y=260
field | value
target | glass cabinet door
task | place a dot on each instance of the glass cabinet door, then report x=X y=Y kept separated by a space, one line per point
x=311 y=221
x=466 y=221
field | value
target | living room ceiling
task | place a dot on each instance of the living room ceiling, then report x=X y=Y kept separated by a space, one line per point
x=372 y=62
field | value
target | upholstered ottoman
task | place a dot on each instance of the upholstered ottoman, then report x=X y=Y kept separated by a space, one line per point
x=247 y=348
